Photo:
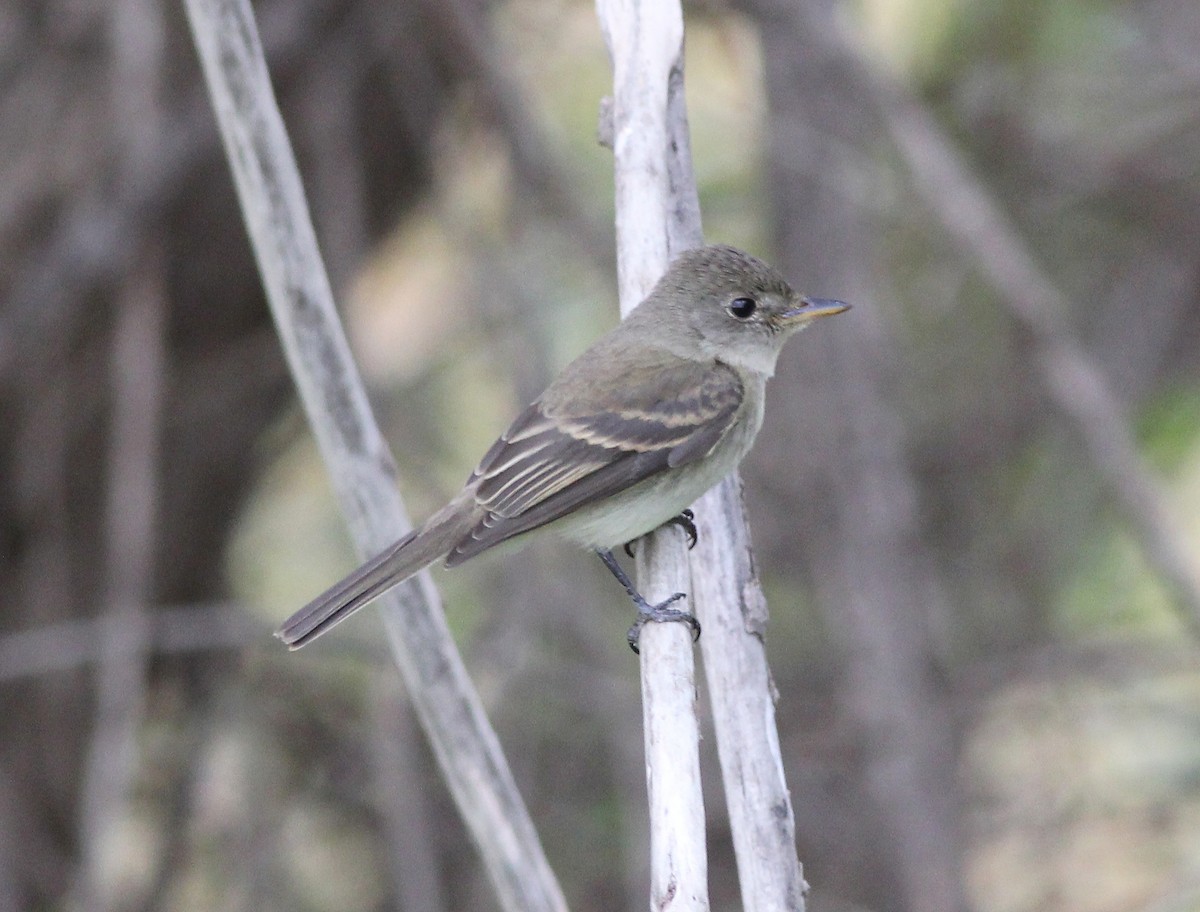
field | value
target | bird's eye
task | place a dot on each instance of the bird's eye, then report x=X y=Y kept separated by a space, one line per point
x=742 y=308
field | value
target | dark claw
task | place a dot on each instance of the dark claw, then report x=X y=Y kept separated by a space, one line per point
x=686 y=521
x=660 y=613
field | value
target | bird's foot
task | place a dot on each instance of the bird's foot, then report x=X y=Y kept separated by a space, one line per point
x=645 y=611
x=686 y=521
x=658 y=614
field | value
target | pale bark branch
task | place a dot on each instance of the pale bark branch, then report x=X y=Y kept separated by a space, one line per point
x=728 y=600
x=733 y=611
x=645 y=42
x=656 y=192
x=360 y=464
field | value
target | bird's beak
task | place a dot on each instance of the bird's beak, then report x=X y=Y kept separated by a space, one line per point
x=808 y=309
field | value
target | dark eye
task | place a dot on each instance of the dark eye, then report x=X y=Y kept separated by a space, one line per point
x=742 y=308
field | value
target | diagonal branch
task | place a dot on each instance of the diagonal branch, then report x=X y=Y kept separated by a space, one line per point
x=360 y=465
x=1075 y=382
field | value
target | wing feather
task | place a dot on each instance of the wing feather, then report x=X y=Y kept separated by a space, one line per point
x=566 y=451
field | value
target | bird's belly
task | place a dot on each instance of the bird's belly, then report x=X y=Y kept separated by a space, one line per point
x=631 y=514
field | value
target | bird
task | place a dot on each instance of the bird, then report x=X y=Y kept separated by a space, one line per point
x=648 y=418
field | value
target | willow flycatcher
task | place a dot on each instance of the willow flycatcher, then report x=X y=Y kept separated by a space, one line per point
x=631 y=432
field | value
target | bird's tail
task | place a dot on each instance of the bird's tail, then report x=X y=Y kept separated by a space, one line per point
x=410 y=554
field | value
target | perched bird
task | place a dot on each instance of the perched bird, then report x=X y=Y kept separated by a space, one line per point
x=641 y=424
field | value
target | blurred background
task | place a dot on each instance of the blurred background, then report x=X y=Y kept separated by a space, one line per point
x=976 y=499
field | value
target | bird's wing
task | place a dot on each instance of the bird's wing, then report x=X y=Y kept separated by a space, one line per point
x=577 y=445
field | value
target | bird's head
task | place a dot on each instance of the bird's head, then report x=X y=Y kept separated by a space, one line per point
x=732 y=306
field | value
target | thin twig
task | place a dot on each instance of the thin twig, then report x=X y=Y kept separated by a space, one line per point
x=645 y=41
x=360 y=465
x=138 y=373
x=69 y=645
x=123 y=653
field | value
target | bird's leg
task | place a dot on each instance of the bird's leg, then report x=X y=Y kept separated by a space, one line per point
x=686 y=521
x=645 y=611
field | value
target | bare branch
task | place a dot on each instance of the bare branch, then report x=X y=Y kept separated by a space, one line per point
x=138 y=391
x=725 y=587
x=730 y=604
x=57 y=648
x=360 y=465
x=138 y=372
x=645 y=41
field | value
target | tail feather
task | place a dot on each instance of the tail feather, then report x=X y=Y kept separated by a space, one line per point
x=410 y=554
